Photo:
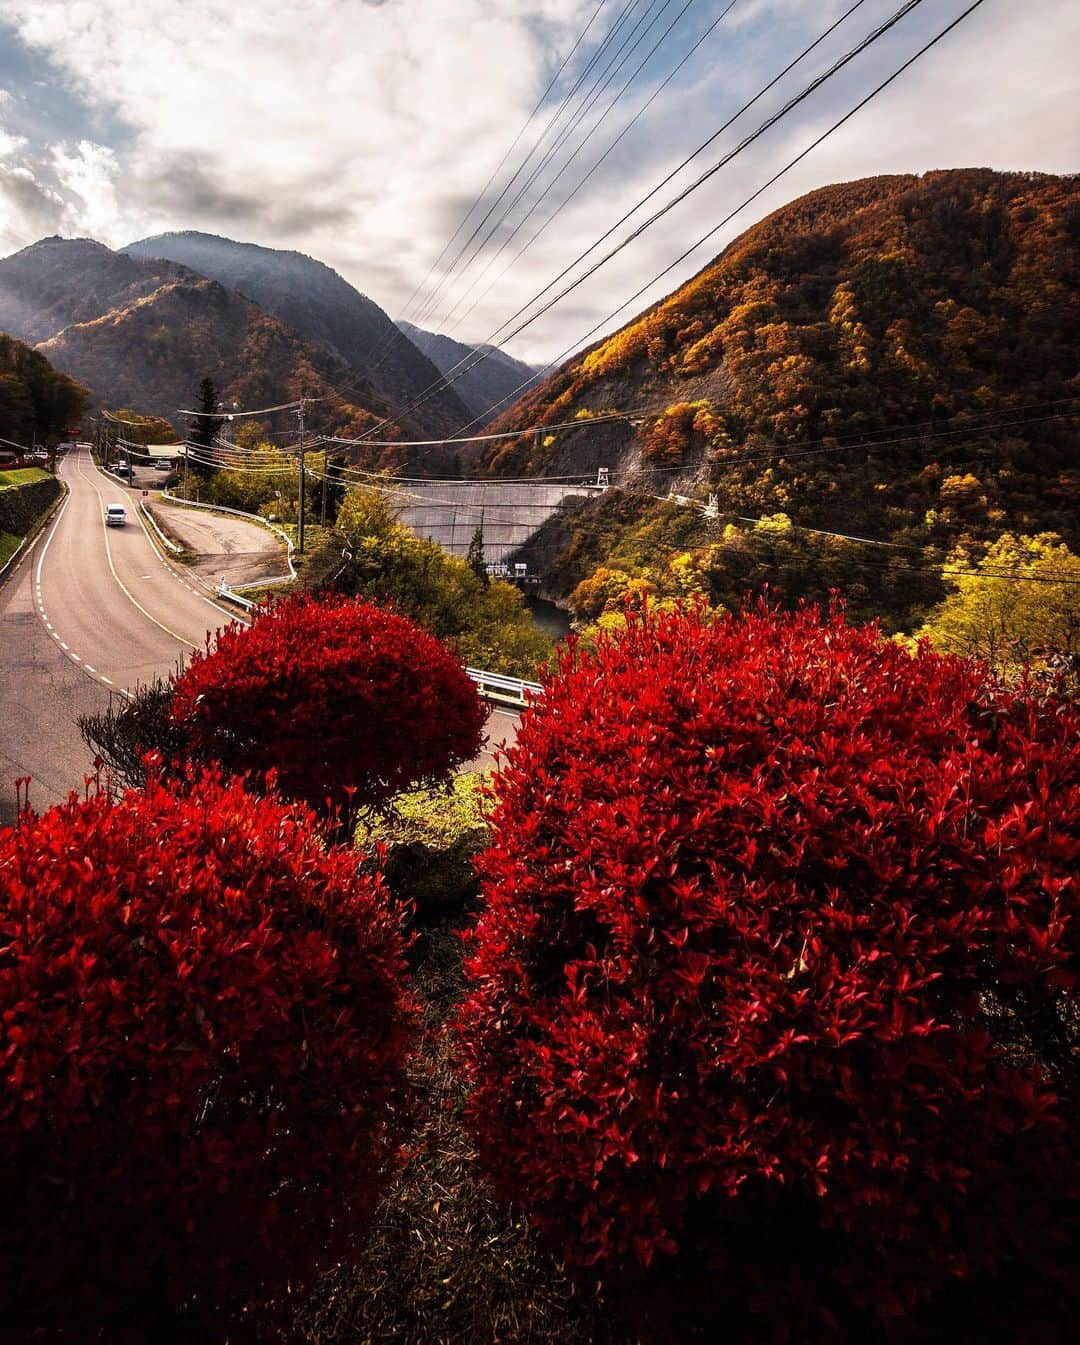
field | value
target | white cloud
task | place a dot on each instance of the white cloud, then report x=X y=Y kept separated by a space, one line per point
x=358 y=133
x=10 y=144
x=88 y=176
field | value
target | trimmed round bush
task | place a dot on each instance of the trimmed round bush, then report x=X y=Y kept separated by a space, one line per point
x=348 y=703
x=203 y=1025
x=771 y=1017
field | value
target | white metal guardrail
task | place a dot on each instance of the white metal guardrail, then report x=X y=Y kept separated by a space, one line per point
x=165 y=541
x=224 y=591
x=255 y=518
x=498 y=687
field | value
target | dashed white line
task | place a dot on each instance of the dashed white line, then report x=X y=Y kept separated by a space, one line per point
x=88 y=668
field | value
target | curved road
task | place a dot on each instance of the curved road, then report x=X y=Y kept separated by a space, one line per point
x=89 y=613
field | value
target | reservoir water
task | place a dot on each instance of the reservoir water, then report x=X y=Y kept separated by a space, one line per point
x=547 y=617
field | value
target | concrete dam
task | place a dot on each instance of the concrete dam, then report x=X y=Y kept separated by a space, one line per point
x=449 y=512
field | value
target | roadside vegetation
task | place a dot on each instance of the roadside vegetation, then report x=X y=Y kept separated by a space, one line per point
x=21 y=476
x=762 y=1017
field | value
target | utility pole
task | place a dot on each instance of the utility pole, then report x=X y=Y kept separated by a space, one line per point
x=185 y=470
x=300 y=521
x=325 y=474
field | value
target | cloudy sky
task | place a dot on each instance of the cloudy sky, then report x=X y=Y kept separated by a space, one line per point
x=362 y=132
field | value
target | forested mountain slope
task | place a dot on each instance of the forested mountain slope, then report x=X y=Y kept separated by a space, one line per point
x=143 y=333
x=151 y=355
x=36 y=400
x=481 y=384
x=322 y=306
x=57 y=281
x=939 y=313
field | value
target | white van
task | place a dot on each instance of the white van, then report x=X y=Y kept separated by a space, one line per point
x=115 y=516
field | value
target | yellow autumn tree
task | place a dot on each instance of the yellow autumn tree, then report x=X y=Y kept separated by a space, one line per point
x=1019 y=606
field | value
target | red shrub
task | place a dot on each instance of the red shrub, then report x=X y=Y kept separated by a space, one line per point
x=340 y=697
x=772 y=987
x=202 y=1032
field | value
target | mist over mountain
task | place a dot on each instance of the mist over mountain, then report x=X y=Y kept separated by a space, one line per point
x=322 y=306
x=59 y=281
x=489 y=386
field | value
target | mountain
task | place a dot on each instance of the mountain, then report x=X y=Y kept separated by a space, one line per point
x=939 y=312
x=486 y=388
x=36 y=400
x=57 y=281
x=321 y=306
x=143 y=333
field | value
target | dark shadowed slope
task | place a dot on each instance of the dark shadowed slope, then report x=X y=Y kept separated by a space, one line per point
x=322 y=306
x=482 y=386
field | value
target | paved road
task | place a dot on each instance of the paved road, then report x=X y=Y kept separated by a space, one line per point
x=89 y=613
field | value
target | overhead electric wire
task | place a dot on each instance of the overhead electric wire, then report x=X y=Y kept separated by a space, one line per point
x=596 y=165
x=502 y=162
x=601 y=418
x=382 y=352
x=716 y=228
x=946 y=570
x=452 y=375
x=630 y=44
x=237 y=415
x=850 y=444
x=608 y=38
x=444 y=324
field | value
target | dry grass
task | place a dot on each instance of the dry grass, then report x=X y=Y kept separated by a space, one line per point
x=447 y=1264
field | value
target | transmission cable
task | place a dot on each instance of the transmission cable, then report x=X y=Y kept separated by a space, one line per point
x=630 y=44
x=726 y=220
x=444 y=324
x=447 y=379
x=502 y=162
x=594 y=167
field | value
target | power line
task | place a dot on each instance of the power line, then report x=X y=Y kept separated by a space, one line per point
x=382 y=352
x=608 y=39
x=596 y=165
x=238 y=415
x=747 y=141
x=629 y=46
x=602 y=418
x=727 y=218
x=945 y=571
x=502 y=162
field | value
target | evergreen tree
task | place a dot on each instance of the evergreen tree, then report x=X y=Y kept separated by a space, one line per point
x=475 y=556
x=206 y=423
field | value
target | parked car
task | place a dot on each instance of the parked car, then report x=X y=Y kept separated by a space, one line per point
x=115 y=515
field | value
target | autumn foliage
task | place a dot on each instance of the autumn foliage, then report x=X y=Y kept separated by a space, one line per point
x=202 y=1031
x=347 y=702
x=773 y=985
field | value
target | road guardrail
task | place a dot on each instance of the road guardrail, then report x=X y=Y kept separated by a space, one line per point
x=255 y=518
x=499 y=687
